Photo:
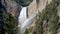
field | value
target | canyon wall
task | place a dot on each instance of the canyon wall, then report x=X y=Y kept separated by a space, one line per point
x=36 y=6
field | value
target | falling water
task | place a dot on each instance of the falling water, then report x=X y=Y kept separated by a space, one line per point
x=21 y=18
x=24 y=24
x=22 y=15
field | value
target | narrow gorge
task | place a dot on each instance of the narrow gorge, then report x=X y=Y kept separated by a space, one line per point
x=30 y=16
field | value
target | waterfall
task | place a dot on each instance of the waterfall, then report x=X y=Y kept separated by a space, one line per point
x=24 y=24
x=22 y=15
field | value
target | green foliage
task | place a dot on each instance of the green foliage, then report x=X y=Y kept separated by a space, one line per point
x=26 y=31
x=49 y=14
x=51 y=11
x=39 y=24
x=10 y=24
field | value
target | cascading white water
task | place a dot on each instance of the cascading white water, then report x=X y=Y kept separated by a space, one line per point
x=22 y=15
x=24 y=24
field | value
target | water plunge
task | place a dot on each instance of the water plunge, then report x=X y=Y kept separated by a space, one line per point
x=22 y=15
x=23 y=20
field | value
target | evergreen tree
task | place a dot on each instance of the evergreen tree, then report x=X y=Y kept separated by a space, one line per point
x=49 y=14
x=26 y=31
x=10 y=24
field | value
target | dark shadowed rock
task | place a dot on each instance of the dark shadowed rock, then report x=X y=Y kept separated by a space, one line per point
x=2 y=9
x=24 y=3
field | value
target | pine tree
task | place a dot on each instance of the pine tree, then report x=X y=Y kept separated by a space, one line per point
x=26 y=31
x=49 y=14
x=10 y=24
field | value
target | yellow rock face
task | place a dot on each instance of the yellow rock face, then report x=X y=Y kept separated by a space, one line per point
x=34 y=7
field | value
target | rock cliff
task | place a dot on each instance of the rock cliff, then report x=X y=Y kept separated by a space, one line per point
x=36 y=6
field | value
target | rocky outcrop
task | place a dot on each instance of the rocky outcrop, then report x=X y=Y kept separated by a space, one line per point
x=12 y=7
x=34 y=8
x=9 y=12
